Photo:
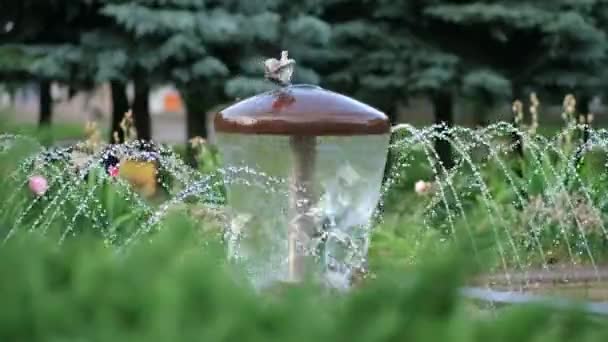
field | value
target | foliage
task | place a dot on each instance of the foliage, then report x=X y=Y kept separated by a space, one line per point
x=196 y=42
x=207 y=156
x=46 y=37
x=544 y=207
x=384 y=51
x=379 y=51
x=533 y=36
x=173 y=289
x=96 y=206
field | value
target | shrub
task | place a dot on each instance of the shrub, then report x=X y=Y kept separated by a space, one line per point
x=173 y=289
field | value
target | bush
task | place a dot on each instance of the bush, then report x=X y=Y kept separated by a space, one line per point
x=173 y=289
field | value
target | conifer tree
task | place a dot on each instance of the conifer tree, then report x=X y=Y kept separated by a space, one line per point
x=39 y=41
x=488 y=50
x=214 y=50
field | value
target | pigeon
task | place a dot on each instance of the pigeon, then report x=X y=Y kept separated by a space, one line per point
x=279 y=71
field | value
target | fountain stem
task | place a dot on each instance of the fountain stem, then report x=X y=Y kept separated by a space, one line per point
x=301 y=227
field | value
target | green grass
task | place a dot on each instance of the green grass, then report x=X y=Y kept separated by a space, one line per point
x=55 y=132
x=47 y=135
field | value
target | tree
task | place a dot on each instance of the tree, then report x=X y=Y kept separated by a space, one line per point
x=203 y=48
x=277 y=26
x=486 y=89
x=551 y=46
x=182 y=40
x=120 y=105
x=114 y=55
x=378 y=58
x=42 y=35
x=363 y=60
x=108 y=55
x=488 y=50
x=74 y=43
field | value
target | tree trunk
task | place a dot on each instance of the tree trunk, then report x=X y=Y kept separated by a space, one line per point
x=196 y=118
x=141 y=110
x=583 y=104
x=197 y=105
x=482 y=107
x=392 y=116
x=196 y=125
x=45 y=103
x=72 y=91
x=120 y=105
x=516 y=139
x=443 y=103
x=517 y=92
x=583 y=111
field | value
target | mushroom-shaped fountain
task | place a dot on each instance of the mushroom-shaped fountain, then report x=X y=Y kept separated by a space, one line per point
x=330 y=150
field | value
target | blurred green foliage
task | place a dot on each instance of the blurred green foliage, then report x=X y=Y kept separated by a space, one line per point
x=173 y=288
x=47 y=135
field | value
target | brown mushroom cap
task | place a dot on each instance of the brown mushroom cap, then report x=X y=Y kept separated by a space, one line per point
x=301 y=110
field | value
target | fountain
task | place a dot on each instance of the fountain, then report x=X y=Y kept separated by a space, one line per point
x=302 y=178
x=332 y=149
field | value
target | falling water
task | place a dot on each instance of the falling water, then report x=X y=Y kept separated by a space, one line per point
x=481 y=192
x=464 y=142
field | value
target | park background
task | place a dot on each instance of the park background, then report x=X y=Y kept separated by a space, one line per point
x=175 y=63
x=535 y=184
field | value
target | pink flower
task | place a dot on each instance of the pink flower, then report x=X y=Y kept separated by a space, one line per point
x=422 y=187
x=113 y=170
x=38 y=185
